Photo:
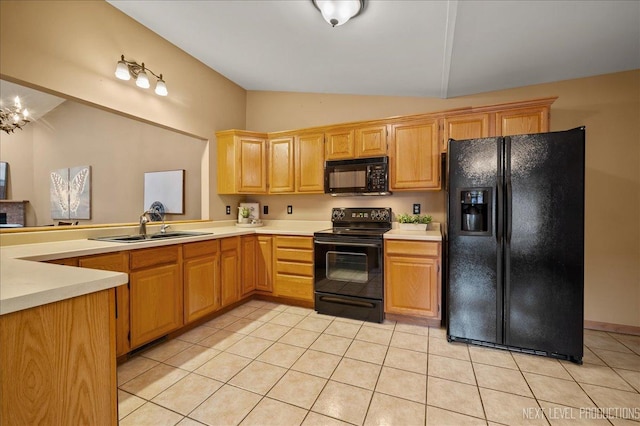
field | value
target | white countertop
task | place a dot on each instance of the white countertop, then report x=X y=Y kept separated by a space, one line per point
x=26 y=282
x=431 y=234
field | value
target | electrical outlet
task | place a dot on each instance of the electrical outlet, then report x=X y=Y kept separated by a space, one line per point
x=228 y=209
x=265 y=209
x=416 y=209
x=289 y=209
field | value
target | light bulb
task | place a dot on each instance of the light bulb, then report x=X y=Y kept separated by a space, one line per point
x=17 y=103
x=143 y=79
x=122 y=70
x=161 y=87
x=25 y=113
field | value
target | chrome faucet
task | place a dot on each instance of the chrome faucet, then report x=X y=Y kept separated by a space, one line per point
x=144 y=219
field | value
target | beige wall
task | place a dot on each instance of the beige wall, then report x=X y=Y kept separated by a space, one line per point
x=119 y=151
x=609 y=107
x=70 y=48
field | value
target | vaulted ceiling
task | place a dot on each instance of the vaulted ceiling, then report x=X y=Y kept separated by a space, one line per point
x=442 y=48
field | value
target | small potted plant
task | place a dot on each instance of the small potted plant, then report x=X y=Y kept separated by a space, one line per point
x=243 y=214
x=414 y=222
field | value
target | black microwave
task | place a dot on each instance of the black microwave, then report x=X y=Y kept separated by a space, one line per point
x=360 y=176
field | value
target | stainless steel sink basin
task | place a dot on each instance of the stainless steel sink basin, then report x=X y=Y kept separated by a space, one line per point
x=149 y=237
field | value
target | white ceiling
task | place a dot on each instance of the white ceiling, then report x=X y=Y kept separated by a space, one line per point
x=36 y=102
x=442 y=48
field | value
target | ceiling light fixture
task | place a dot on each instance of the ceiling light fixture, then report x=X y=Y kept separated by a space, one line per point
x=14 y=117
x=127 y=69
x=337 y=12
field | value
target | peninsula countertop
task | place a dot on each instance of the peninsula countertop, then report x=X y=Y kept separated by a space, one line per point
x=27 y=281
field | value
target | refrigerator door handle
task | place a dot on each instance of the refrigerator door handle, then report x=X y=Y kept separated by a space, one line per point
x=499 y=211
x=508 y=210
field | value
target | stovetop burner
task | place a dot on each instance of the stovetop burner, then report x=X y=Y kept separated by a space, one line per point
x=354 y=222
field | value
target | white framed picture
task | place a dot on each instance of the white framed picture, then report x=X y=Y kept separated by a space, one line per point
x=166 y=187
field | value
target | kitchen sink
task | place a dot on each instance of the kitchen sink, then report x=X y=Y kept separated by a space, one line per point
x=150 y=237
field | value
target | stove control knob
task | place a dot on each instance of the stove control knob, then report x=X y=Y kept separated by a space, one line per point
x=384 y=215
x=375 y=215
x=338 y=214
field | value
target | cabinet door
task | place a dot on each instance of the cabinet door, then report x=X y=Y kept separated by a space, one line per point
x=253 y=171
x=229 y=271
x=118 y=262
x=371 y=141
x=415 y=156
x=264 y=264
x=156 y=303
x=412 y=286
x=281 y=165
x=465 y=127
x=522 y=121
x=201 y=286
x=310 y=163
x=339 y=144
x=248 y=258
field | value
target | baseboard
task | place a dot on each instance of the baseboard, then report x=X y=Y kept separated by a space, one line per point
x=614 y=328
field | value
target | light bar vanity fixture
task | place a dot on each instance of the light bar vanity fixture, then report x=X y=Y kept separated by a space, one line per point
x=12 y=118
x=127 y=69
x=337 y=12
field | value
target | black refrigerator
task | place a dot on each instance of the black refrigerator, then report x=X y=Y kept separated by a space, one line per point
x=516 y=242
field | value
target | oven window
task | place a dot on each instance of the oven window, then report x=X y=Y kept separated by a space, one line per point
x=344 y=266
x=348 y=179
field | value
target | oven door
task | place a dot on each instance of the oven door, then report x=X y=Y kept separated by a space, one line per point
x=349 y=278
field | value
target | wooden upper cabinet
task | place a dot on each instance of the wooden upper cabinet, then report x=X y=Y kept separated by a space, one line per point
x=310 y=163
x=340 y=144
x=522 y=121
x=371 y=141
x=242 y=162
x=414 y=155
x=356 y=142
x=468 y=126
x=281 y=165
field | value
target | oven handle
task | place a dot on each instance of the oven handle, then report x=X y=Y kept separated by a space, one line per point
x=347 y=302
x=343 y=243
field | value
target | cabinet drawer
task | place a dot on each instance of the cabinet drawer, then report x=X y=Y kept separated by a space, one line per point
x=295 y=242
x=230 y=243
x=305 y=269
x=201 y=248
x=154 y=256
x=412 y=248
x=118 y=262
x=294 y=287
x=294 y=255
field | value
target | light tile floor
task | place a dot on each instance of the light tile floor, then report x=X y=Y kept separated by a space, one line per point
x=270 y=364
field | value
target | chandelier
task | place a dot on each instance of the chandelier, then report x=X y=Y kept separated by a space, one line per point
x=127 y=69
x=12 y=118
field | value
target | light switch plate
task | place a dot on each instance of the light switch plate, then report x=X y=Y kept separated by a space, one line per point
x=416 y=208
x=289 y=209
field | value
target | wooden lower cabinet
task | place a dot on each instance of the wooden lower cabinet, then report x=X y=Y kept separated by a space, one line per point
x=264 y=264
x=230 y=271
x=156 y=295
x=294 y=267
x=58 y=363
x=201 y=266
x=118 y=262
x=248 y=256
x=412 y=278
